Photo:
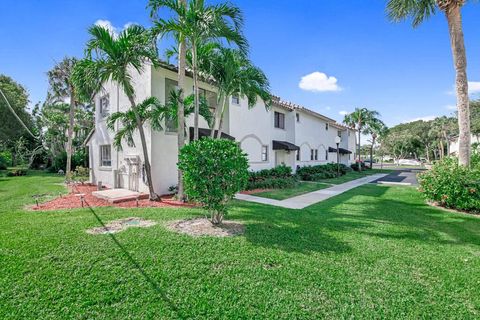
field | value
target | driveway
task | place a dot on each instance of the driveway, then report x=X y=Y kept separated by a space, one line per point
x=406 y=177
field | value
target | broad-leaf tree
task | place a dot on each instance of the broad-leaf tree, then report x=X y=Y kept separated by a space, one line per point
x=375 y=128
x=197 y=23
x=359 y=119
x=112 y=57
x=421 y=10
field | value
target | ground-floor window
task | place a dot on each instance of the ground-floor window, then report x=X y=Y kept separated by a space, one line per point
x=264 y=153
x=298 y=155
x=326 y=154
x=312 y=154
x=316 y=154
x=106 y=155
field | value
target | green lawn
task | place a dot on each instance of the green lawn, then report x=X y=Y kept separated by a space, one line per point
x=372 y=252
x=301 y=188
x=354 y=175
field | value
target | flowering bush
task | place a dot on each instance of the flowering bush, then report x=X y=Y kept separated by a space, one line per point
x=452 y=185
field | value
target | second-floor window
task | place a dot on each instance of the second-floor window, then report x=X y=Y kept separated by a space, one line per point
x=279 y=121
x=104 y=106
x=297 y=117
x=326 y=126
x=170 y=87
x=236 y=100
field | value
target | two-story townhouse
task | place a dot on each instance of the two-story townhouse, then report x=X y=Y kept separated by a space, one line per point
x=282 y=134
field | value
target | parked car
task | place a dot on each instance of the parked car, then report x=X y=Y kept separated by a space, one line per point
x=409 y=162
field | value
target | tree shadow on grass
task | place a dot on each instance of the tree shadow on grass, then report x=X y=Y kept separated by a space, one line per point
x=365 y=210
x=154 y=285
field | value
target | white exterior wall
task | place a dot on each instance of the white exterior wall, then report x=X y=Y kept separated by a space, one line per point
x=454 y=145
x=252 y=128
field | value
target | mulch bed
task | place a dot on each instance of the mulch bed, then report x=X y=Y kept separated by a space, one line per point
x=253 y=191
x=72 y=200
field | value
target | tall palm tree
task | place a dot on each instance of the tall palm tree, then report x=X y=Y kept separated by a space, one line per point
x=61 y=88
x=375 y=128
x=421 y=10
x=197 y=23
x=358 y=119
x=110 y=57
x=235 y=75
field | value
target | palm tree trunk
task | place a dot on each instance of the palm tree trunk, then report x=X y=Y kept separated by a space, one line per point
x=359 y=157
x=220 y=125
x=148 y=169
x=181 y=108
x=216 y=116
x=70 y=135
x=196 y=92
x=371 y=153
x=454 y=19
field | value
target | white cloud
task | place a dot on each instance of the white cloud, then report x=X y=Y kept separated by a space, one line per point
x=451 y=107
x=426 y=118
x=473 y=87
x=343 y=113
x=110 y=27
x=319 y=82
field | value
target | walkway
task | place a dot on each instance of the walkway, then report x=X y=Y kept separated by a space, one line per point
x=305 y=200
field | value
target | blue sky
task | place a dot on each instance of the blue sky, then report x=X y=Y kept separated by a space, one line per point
x=403 y=73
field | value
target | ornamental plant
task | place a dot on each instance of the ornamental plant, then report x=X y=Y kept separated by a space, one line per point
x=213 y=172
x=452 y=185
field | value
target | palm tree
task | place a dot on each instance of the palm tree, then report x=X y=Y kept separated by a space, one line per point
x=173 y=105
x=358 y=119
x=62 y=87
x=375 y=128
x=421 y=10
x=235 y=75
x=197 y=23
x=110 y=57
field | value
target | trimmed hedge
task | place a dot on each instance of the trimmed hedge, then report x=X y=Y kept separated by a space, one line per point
x=280 y=177
x=320 y=172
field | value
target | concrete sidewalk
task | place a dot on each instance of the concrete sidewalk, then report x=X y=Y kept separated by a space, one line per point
x=305 y=200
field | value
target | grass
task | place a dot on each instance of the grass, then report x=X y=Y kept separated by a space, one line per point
x=372 y=252
x=354 y=175
x=301 y=188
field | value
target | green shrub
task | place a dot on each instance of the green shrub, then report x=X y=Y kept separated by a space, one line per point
x=320 y=172
x=213 y=171
x=355 y=166
x=17 y=173
x=280 y=177
x=82 y=174
x=452 y=185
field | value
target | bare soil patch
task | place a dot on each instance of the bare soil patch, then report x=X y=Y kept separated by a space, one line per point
x=203 y=227
x=121 y=225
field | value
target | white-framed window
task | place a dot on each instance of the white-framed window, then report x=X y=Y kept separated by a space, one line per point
x=104 y=106
x=264 y=153
x=312 y=154
x=106 y=155
x=326 y=126
x=279 y=120
x=297 y=115
x=170 y=86
x=339 y=133
x=316 y=154
x=236 y=100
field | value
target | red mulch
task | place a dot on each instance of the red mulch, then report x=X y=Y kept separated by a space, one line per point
x=253 y=191
x=72 y=200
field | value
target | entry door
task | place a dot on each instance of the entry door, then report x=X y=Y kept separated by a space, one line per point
x=279 y=157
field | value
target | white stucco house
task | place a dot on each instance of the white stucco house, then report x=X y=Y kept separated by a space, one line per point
x=285 y=134
x=454 y=144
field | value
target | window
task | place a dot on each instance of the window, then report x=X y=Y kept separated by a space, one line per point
x=339 y=133
x=235 y=100
x=264 y=153
x=326 y=126
x=311 y=154
x=348 y=132
x=298 y=155
x=298 y=117
x=170 y=87
x=279 y=121
x=104 y=106
x=316 y=154
x=326 y=154
x=106 y=155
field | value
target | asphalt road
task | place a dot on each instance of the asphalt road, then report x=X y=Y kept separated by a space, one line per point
x=401 y=176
